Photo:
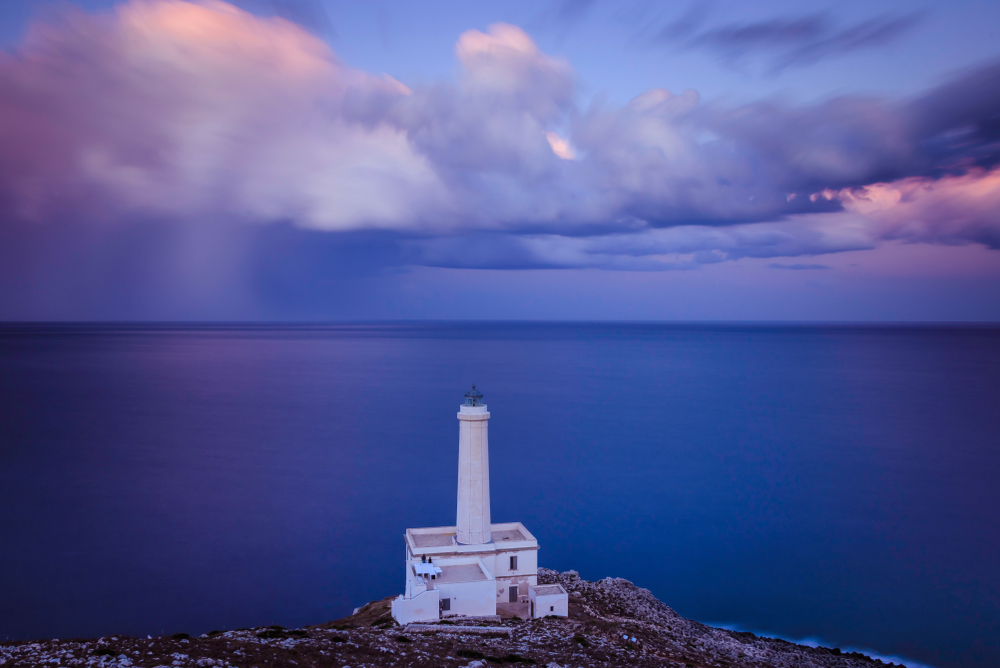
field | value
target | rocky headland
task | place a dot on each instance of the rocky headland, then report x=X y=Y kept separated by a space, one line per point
x=611 y=623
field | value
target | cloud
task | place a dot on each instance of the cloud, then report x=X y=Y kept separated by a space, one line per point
x=787 y=42
x=948 y=210
x=225 y=125
x=957 y=123
x=167 y=109
x=172 y=109
x=676 y=247
x=797 y=267
x=560 y=146
x=177 y=109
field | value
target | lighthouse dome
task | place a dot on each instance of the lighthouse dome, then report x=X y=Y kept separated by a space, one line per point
x=473 y=397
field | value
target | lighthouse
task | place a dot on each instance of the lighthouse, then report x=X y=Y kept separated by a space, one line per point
x=473 y=517
x=475 y=568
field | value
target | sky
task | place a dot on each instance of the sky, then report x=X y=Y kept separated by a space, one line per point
x=303 y=160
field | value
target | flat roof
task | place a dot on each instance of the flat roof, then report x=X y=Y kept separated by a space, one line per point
x=433 y=539
x=441 y=540
x=548 y=590
x=461 y=573
x=506 y=534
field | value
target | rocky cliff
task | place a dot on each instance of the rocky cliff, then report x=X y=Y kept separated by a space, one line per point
x=612 y=623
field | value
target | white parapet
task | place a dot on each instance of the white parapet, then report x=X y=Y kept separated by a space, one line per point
x=424 y=607
x=473 y=521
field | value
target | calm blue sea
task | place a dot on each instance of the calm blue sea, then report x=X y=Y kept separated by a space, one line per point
x=837 y=483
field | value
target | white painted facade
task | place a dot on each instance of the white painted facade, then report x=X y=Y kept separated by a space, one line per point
x=422 y=608
x=513 y=545
x=475 y=566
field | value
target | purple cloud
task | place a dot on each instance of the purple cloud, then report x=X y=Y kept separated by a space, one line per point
x=787 y=42
x=797 y=267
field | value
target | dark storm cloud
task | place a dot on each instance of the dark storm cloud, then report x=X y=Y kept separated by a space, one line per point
x=677 y=247
x=786 y=42
x=959 y=121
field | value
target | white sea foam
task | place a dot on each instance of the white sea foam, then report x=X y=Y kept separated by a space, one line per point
x=817 y=642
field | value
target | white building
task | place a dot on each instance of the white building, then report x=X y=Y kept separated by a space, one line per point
x=476 y=567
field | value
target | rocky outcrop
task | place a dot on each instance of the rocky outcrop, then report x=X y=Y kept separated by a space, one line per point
x=612 y=623
x=618 y=608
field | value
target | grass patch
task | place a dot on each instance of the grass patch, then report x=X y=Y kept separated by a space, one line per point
x=180 y=636
x=104 y=651
x=470 y=654
x=337 y=639
x=580 y=640
x=402 y=639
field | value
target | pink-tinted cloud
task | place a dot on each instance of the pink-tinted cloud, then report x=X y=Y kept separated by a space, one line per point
x=949 y=210
x=167 y=108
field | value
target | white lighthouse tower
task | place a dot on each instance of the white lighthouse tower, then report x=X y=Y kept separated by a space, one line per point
x=473 y=518
x=475 y=568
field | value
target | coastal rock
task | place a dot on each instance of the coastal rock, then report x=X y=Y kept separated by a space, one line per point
x=611 y=622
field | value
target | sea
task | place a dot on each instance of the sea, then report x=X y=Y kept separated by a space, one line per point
x=834 y=484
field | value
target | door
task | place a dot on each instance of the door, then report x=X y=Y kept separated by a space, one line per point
x=513 y=593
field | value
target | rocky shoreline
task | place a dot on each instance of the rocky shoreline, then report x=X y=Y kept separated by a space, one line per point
x=611 y=623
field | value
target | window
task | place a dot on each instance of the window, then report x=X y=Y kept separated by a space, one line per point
x=513 y=594
x=552 y=608
x=446 y=604
x=513 y=563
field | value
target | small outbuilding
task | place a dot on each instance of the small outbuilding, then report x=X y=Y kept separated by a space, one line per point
x=548 y=601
